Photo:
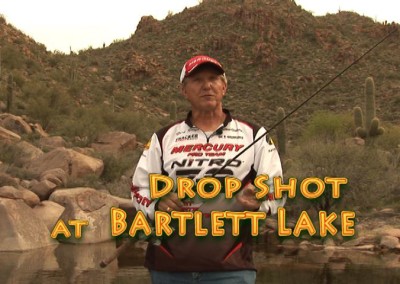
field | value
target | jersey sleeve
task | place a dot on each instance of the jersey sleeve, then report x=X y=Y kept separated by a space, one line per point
x=150 y=163
x=267 y=161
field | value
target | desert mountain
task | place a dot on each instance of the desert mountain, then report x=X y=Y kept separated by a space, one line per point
x=275 y=53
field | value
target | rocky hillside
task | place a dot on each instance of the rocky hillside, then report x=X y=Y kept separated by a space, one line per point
x=75 y=121
x=275 y=53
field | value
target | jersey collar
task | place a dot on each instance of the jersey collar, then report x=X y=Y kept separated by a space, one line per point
x=228 y=118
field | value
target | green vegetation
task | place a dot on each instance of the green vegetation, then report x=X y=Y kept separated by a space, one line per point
x=275 y=54
x=172 y=111
x=10 y=93
x=281 y=132
x=328 y=127
x=370 y=128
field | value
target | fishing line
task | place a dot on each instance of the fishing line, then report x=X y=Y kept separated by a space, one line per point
x=105 y=262
x=304 y=102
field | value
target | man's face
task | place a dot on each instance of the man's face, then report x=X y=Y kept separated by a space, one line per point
x=204 y=89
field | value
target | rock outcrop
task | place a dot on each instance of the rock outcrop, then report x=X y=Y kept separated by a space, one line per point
x=20 y=228
x=115 y=142
x=27 y=196
x=49 y=212
x=75 y=164
x=84 y=203
x=15 y=124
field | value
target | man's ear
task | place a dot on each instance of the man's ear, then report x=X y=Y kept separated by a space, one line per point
x=225 y=89
x=183 y=90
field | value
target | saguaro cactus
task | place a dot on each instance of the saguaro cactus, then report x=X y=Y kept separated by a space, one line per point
x=172 y=111
x=10 y=93
x=281 y=132
x=72 y=73
x=370 y=128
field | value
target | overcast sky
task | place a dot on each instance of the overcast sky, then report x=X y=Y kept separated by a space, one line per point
x=79 y=24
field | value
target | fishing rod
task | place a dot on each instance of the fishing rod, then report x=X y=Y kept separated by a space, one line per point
x=228 y=162
x=126 y=243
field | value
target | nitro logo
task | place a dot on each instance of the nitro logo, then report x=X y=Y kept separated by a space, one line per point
x=205 y=163
x=207 y=147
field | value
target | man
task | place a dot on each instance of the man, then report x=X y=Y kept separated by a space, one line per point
x=198 y=147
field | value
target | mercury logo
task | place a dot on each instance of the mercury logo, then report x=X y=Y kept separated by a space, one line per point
x=207 y=147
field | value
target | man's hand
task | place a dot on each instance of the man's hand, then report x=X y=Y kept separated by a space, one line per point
x=247 y=198
x=170 y=202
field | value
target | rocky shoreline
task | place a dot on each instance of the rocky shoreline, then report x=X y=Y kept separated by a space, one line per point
x=31 y=208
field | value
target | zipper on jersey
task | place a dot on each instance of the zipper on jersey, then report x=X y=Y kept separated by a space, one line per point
x=216 y=132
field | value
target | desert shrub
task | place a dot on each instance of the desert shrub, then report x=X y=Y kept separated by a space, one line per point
x=46 y=104
x=120 y=176
x=328 y=127
x=6 y=179
x=92 y=181
x=21 y=173
x=33 y=89
x=2 y=19
x=120 y=187
x=75 y=89
x=390 y=139
x=59 y=76
x=32 y=66
x=11 y=58
x=140 y=124
x=108 y=87
x=85 y=123
x=8 y=153
x=40 y=110
x=54 y=59
x=18 y=79
x=116 y=166
x=123 y=99
x=370 y=177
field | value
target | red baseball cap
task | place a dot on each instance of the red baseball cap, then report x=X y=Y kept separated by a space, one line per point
x=194 y=62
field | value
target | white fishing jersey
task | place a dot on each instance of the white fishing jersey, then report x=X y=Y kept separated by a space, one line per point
x=183 y=150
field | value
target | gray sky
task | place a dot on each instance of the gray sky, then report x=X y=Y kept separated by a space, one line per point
x=79 y=24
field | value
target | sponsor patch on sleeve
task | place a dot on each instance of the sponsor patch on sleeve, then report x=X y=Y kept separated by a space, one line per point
x=269 y=140
x=147 y=145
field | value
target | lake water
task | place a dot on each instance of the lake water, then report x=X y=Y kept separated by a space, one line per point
x=80 y=264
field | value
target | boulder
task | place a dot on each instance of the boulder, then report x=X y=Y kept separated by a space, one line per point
x=389 y=242
x=354 y=141
x=37 y=128
x=6 y=179
x=8 y=135
x=329 y=242
x=26 y=152
x=115 y=142
x=123 y=203
x=43 y=189
x=15 y=124
x=28 y=183
x=57 y=176
x=49 y=212
x=25 y=195
x=126 y=204
x=75 y=164
x=354 y=242
x=84 y=203
x=20 y=228
x=394 y=232
x=85 y=151
x=52 y=142
x=107 y=78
